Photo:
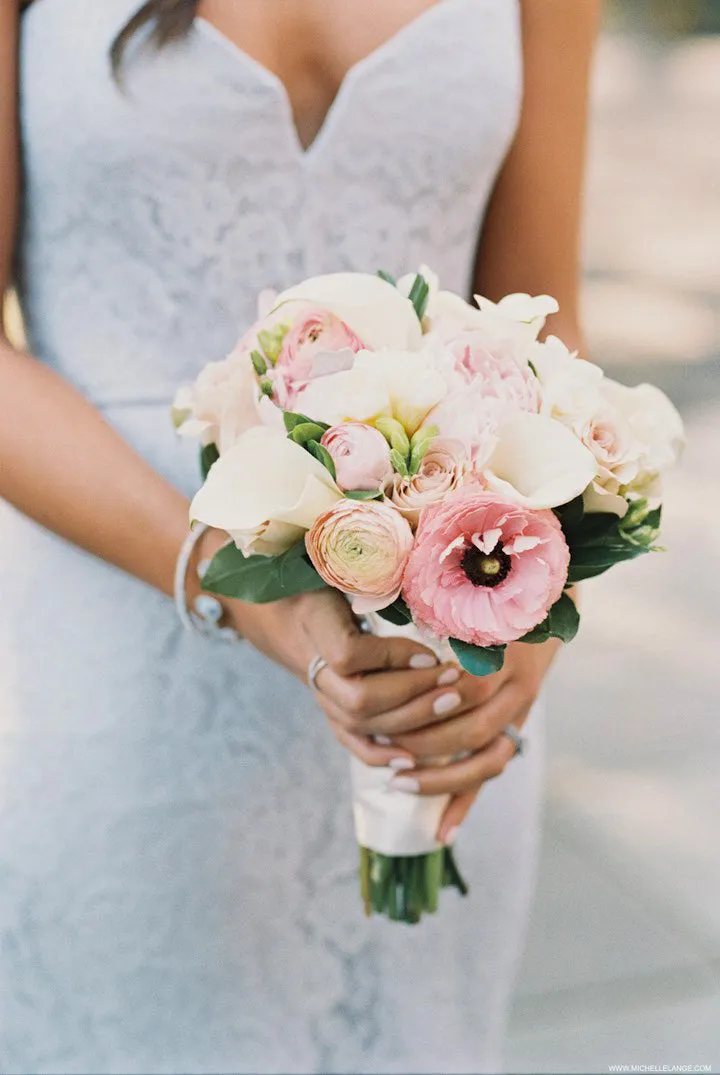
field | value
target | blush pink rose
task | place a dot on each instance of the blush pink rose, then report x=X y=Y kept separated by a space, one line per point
x=442 y=470
x=361 y=456
x=361 y=548
x=484 y=569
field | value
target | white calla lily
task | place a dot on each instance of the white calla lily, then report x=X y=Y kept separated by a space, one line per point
x=412 y=382
x=539 y=462
x=515 y=321
x=265 y=491
x=379 y=314
x=359 y=395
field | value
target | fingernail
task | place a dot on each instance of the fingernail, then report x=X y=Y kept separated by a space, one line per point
x=404 y=783
x=383 y=741
x=450 y=675
x=449 y=837
x=422 y=660
x=401 y=763
x=446 y=703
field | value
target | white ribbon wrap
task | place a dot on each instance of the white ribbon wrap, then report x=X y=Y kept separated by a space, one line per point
x=397 y=822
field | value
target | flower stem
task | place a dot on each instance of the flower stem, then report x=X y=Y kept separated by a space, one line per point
x=405 y=887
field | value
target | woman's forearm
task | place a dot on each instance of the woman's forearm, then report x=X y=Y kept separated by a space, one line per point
x=65 y=467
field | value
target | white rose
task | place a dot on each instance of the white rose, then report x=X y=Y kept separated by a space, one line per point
x=223 y=403
x=539 y=462
x=266 y=491
x=375 y=310
x=571 y=387
x=656 y=425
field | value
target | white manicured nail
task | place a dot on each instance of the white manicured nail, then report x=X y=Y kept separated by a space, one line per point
x=401 y=763
x=446 y=703
x=382 y=740
x=450 y=835
x=450 y=675
x=422 y=660
x=404 y=783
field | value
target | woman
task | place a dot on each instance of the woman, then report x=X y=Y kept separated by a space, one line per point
x=176 y=858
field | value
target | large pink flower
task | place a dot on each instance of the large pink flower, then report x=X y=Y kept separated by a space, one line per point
x=361 y=548
x=484 y=387
x=483 y=568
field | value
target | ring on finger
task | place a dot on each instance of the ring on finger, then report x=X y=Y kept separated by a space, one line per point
x=518 y=741
x=314 y=669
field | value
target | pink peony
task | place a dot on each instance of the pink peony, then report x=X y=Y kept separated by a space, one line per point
x=361 y=456
x=442 y=470
x=483 y=568
x=361 y=548
x=484 y=387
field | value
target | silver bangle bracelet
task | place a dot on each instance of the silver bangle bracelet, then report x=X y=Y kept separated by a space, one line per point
x=206 y=612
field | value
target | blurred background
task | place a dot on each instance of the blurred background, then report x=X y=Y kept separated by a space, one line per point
x=623 y=963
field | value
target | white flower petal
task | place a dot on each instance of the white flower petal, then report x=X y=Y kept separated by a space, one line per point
x=375 y=310
x=538 y=462
x=598 y=500
x=264 y=479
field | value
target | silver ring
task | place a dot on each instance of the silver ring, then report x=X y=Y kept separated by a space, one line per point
x=519 y=741
x=314 y=669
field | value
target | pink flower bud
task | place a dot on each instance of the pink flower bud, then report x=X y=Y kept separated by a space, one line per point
x=361 y=456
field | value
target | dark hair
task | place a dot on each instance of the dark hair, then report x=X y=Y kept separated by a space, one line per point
x=170 y=20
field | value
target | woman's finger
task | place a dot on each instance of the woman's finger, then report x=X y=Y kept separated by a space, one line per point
x=365 y=696
x=467 y=731
x=365 y=748
x=334 y=634
x=455 y=813
x=461 y=776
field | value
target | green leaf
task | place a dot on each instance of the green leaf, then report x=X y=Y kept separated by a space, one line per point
x=399 y=463
x=478 y=660
x=322 y=455
x=599 y=540
x=572 y=513
x=397 y=613
x=291 y=420
x=562 y=621
x=266 y=387
x=417 y=455
x=419 y=295
x=364 y=494
x=306 y=431
x=387 y=277
x=394 y=433
x=261 y=579
x=259 y=363
x=532 y=367
x=208 y=455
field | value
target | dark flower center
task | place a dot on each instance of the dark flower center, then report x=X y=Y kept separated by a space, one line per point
x=486 y=568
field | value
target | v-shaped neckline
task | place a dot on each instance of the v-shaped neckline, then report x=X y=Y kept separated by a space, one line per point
x=306 y=152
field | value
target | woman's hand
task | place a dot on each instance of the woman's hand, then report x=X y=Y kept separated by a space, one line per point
x=364 y=676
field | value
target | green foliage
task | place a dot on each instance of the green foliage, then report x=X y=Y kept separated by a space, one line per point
x=259 y=363
x=322 y=455
x=387 y=277
x=397 y=613
x=478 y=660
x=271 y=340
x=261 y=579
x=597 y=540
x=208 y=455
x=304 y=432
x=399 y=463
x=562 y=621
x=364 y=494
x=419 y=295
x=291 y=420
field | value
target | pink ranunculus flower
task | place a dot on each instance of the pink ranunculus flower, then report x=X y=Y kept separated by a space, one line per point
x=361 y=456
x=361 y=548
x=443 y=469
x=483 y=568
x=315 y=331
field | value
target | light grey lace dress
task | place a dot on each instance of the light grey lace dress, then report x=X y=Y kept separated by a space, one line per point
x=178 y=884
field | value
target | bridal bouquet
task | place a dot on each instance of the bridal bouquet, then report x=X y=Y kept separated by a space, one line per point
x=442 y=468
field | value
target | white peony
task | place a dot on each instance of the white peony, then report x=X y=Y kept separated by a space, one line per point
x=377 y=312
x=222 y=404
x=657 y=427
x=538 y=462
x=266 y=492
